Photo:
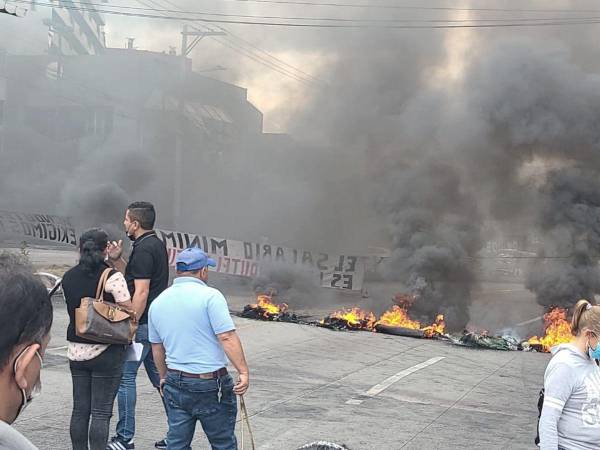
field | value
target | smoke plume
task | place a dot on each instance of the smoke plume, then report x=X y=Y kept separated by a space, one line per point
x=414 y=140
x=569 y=219
x=435 y=229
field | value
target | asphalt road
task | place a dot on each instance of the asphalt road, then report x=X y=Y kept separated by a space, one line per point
x=366 y=390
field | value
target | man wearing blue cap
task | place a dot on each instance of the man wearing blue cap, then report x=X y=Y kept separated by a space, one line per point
x=192 y=336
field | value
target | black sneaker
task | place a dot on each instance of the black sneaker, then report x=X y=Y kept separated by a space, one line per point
x=118 y=443
x=161 y=444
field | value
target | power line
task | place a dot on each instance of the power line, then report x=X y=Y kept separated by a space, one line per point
x=412 y=7
x=254 y=58
x=262 y=51
x=269 y=55
x=315 y=19
x=551 y=22
x=248 y=53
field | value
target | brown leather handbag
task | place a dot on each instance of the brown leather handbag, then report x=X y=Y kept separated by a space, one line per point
x=104 y=322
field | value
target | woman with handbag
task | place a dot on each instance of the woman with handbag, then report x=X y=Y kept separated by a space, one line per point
x=95 y=365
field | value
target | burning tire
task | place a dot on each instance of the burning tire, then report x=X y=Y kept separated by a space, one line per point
x=400 y=331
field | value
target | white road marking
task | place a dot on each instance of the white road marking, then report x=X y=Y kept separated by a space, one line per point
x=379 y=388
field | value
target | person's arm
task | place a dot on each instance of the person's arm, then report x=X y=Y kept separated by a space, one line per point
x=141 y=268
x=159 y=353
x=224 y=328
x=140 y=296
x=160 y=359
x=117 y=287
x=558 y=386
x=234 y=351
x=115 y=256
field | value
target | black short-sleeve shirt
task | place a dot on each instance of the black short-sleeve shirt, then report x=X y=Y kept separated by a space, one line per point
x=148 y=261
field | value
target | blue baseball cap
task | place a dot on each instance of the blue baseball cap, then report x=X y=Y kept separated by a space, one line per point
x=193 y=258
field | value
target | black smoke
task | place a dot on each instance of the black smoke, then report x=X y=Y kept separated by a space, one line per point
x=570 y=221
x=435 y=227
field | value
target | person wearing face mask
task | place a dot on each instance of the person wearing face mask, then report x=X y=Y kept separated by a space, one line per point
x=570 y=418
x=26 y=312
x=147 y=275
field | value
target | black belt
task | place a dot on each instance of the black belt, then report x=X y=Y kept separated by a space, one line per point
x=207 y=376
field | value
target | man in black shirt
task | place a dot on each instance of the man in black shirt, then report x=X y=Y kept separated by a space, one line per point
x=147 y=275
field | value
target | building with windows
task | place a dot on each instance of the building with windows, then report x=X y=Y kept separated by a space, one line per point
x=145 y=106
x=75 y=29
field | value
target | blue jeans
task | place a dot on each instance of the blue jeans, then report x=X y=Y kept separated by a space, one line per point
x=127 y=394
x=190 y=400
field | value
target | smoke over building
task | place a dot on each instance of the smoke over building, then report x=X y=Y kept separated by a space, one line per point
x=416 y=140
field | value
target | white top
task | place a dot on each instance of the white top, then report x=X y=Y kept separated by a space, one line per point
x=11 y=439
x=571 y=413
x=117 y=287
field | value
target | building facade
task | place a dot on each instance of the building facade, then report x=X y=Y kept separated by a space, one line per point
x=75 y=28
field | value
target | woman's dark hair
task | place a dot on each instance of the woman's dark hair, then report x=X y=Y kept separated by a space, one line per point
x=25 y=307
x=92 y=244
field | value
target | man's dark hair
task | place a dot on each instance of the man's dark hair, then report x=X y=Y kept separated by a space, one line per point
x=25 y=307
x=189 y=272
x=144 y=213
x=92 y=244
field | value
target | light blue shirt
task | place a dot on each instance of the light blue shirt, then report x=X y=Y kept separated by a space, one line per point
x=186 y=319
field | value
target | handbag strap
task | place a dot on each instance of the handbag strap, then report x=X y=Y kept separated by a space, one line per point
x=102 y=284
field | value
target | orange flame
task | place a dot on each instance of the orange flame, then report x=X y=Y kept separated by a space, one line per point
x=270 y=309
x=437 y=327
x=557 y=330
x=397 y=316
x=356 y=318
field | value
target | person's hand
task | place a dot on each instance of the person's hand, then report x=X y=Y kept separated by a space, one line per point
x=114 y=250
x=161 y=386
x=241 y=386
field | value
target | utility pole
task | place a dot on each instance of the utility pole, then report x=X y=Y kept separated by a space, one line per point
x=186 y=48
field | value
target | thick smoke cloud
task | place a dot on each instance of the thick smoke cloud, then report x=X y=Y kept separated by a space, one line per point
x=570 y=218
x=290 y=284
x=407 y=135
x=435 y=229
x=536 y=103
x=99 y=197
x=447 y=157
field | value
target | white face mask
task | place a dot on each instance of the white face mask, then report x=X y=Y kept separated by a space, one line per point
x=129 y=234
x=37 y=389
